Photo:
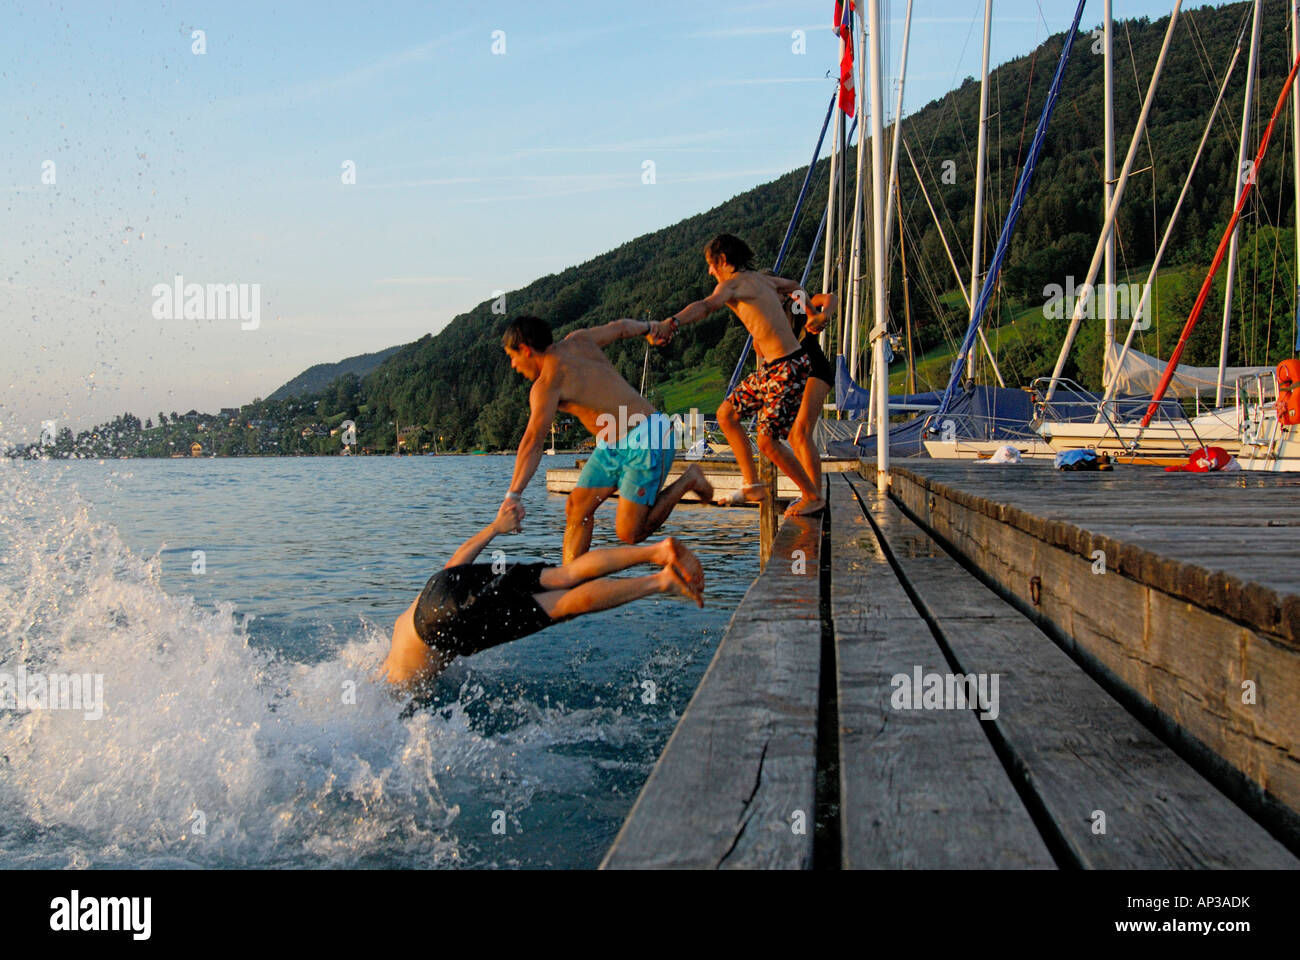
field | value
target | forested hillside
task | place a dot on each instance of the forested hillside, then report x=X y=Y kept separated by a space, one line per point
x=315 y=379
x=459 y=385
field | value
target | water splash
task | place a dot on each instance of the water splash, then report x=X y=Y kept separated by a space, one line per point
x=214 y=752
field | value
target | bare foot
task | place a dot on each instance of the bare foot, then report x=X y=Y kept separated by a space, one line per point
x=695 y=480
x=674 y=582
x=687 y=565
x=752 y=493
x=805 y=507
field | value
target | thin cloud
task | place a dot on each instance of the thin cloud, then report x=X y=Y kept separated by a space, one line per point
x=677 y=144
x=760 y=81
x=758 y=31
x=423 y=281
x=508 y=178
x=622 y=181
x=357 y=76
x=1000 y=19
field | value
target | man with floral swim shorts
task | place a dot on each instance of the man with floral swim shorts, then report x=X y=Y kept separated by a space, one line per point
x=775 y=390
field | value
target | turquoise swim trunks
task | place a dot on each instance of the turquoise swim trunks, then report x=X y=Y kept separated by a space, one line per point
x=637 y=466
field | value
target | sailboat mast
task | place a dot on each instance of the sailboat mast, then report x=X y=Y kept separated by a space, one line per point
x=830 y=238
x=1108 y=180
x=898 y=134
x=855 y=257
x=956 y=272
x=907 y=302
x=1172 y=365
x=1112 y=211
x=1295 y=161
x=832 y=235
x=1244 y=171
x=981 y=153
x=1141 y=311
x=880 y=378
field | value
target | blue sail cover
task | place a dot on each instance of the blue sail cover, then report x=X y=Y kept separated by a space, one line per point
x=853 y=401
x=984 y=413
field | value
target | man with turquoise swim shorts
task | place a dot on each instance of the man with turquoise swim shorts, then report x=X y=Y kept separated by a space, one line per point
x=634 y=443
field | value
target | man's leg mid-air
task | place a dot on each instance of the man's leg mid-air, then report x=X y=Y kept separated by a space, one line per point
x=636 y=521
x=579 y=517
x=584 y=587
x=581 y=586
x=729 y=420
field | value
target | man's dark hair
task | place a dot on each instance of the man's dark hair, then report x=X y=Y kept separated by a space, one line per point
x=529 y=331
x=734 y=250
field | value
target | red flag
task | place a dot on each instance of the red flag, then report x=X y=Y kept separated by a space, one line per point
x=847 y=102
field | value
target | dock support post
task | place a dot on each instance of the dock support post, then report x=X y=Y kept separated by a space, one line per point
x=768 y=519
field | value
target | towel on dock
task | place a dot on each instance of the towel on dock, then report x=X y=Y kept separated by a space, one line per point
x=1081 y=460
x=1003 y=454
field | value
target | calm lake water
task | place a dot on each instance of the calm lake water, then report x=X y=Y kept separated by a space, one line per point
x=237 y=611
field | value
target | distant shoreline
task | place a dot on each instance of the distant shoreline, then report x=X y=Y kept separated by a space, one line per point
x=294 y=456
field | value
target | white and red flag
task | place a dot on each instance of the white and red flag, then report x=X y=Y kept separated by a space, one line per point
x=847 y=101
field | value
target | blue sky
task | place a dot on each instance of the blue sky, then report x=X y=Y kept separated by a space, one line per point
x=475 y=171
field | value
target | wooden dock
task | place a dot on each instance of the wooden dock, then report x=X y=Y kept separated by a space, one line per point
x=945 y=678
x=723 y=474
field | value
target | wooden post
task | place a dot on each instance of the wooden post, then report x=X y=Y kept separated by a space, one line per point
x=768 y=519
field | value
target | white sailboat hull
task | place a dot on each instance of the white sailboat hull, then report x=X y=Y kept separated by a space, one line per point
x=1284 y=458
x=1270 y=447
x=983 y=449
x=1215 y=429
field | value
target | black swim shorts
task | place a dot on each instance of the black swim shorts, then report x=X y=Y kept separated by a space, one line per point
x=468 y=608
x=821 y=367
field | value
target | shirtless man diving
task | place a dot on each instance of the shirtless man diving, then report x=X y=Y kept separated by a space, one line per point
x=467 y=607
x=775 y=391
x=634 y=448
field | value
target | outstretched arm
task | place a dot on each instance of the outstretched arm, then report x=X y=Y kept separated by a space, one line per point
x=721 y=295
x=507 y=519
x=607 y=333
x=543 y=400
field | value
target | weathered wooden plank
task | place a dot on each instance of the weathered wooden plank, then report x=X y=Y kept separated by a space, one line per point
x=919 y=789
x=1079 y=751
x=735 y=785
x=1141 y=636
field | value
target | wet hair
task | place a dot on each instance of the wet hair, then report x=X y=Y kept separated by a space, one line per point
x=531 y=332
x=732 y=249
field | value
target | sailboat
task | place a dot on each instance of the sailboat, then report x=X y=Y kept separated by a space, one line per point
x=1267 y=403
x=961 y=412
x=1142 y=436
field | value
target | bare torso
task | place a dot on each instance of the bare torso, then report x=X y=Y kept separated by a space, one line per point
x=589 y=385
x=759 y=307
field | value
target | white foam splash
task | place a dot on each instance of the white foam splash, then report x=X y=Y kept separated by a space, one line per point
x=282 y=769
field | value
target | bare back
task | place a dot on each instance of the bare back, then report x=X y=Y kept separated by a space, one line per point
x=588 y=383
